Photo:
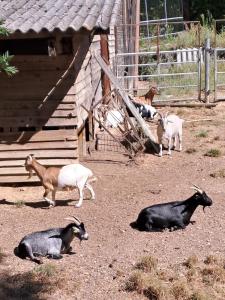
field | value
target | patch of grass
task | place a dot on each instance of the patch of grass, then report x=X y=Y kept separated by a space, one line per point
x=202 y=134
x=180 y=290
x=191 y=261
x=192 y=274
x=198 y=280
x=156 y=290
x=138 y=282
x=213 y=152
x=191 y=150
x=218 y=174
x=147 y=264
x=199 y=295
x=211 y=259
x=150 y=286
x=213 y=274
x=47 y=270
x=35 y=284
x=19 y=203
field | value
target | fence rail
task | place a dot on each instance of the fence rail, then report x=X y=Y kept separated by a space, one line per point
x=219 y=74
x=189 y=73
x=176 y=70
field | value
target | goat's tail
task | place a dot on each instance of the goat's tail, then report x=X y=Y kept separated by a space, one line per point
x=20 y=251
x=92 y=179
x=16 y=251
x=134 y=225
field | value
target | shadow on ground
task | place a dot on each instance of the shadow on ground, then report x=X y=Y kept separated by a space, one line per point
x=39 y=204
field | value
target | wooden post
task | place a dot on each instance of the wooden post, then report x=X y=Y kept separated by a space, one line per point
x=136 y=46
x=215 y=74
x=106 y=88
x=199 y=74
x=207 y=69
x=82 y=142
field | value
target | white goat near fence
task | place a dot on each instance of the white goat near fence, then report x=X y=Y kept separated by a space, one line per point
x=170 y=128
x=64 y=178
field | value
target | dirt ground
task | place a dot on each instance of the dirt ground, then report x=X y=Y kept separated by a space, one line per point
x=99 y=267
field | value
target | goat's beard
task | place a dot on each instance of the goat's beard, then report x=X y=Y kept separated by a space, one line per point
x=203 y=209
x=30 y=173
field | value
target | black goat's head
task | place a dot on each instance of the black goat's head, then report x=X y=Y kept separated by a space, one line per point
x=202 y=197
x=77 y=228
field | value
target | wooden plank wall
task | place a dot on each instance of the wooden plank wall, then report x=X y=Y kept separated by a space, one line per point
x=87 y=86
x=53 y=147
x=33 y=120
x=111 y=41
x=28 y=104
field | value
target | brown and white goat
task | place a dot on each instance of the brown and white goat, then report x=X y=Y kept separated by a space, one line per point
x=64 y=178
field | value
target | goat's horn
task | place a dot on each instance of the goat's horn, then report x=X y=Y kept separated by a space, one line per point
x=76 y=219
x=196 y=188
x=73 y=219
x=161 y=116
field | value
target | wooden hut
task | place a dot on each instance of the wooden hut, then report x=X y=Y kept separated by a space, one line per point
x=54 y=43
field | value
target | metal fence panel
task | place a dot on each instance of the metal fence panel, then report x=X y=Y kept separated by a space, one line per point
x=219 y=74
x=177 y=73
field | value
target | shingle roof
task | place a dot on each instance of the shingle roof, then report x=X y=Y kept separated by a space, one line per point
x=36 y=15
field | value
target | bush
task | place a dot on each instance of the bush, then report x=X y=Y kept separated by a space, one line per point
x=202 y=134
x=213 y=153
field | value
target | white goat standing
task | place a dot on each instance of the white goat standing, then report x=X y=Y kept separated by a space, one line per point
x=65 y=178
x=170 y=128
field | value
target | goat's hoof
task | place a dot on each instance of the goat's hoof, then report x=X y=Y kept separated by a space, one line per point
x=77 y=205
x=38 y=261
x=92 y=198
x=51 y=205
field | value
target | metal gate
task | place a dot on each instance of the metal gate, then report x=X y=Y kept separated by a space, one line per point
x=177 y=73
x=219 y=74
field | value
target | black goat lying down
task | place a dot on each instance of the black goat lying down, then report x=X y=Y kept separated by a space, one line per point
x=172 y=215
x=51 y=243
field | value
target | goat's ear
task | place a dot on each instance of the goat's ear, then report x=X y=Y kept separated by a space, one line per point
x=30 y=157
x=75 y=229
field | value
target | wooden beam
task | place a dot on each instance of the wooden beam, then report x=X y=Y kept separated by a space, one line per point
x=207 y=105
x=136 y=46
x=127 y=102
x=106 y=88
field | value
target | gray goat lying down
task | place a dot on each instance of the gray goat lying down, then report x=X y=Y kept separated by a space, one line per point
x=171 y=215
x=51 y=243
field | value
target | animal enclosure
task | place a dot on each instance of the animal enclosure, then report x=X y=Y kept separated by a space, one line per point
x=100 y=267
x=54 y=51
